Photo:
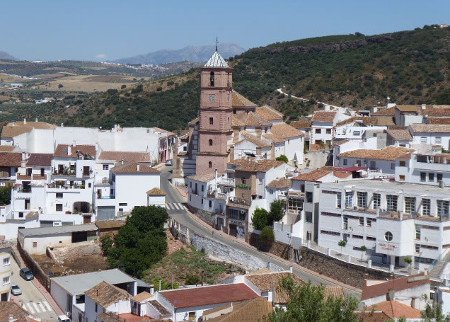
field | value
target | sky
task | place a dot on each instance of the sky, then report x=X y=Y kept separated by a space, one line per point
x=107 y=30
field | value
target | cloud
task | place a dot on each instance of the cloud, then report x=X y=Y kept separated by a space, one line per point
x=101 y=56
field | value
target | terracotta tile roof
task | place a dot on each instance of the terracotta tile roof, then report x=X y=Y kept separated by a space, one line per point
x=106 y=294
x=389 y=153
x=204 y=177
x=86 y=150
x=318 y=174
x=10 y=159
x=40 y=159
x=333 y=291
x=409 y=108
x=160 y=308
x=134 y=168
x=437 y=111
x=400 y=134
x=8 y=309
x=282 y=183
x=209 y=295
x=256 y=166
x=438 y=120
x=254 y=310
x=373 y=316
x=303 y=123
x=7 y=148
x=14 y=129
x=430 y=128
x=381 y=120
x=323 y=116
x=250 y=119
x=124 y=317
x=398 y=284
x=384 y=112
x=237 y=100
x=261 y=143
x=269 y=113
x=156 y=192
x=125 y=156
x=395 y=309
x=283 y=131
x=141 y=297
x=272 y=281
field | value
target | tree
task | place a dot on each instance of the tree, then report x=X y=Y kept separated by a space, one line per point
x=266 y=238
x=408 y=260
x=433 y=312
x=342 y=243
x=308 y=302
x=140 y=243
x=276 y=211
x=282 y=158
x=5 y=195
x=363 y=249
x=260 y=218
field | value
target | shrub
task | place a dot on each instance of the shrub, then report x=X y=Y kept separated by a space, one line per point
x=282 y=158
x=266 y=238
x=260 y=218
x=276 y=211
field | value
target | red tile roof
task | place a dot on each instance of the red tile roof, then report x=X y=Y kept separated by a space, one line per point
x=62 y=150
x=125 y=156
x=209 y=295
x=134 y=168
x=389 y=153
x=398 y=284
x=10 y=159
x=323 y=116
x=256 y=166
x=318 y=174
x=395 y=309
x=40 y=159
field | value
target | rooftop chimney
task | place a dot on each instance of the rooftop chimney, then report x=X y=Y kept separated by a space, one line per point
x=69 y=150
x=138 y=167
x=24 y=121
x=36 y=120
x=390 y=295
x=424 y=106
x=62 y=124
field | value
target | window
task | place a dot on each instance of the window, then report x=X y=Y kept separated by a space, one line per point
x=371 y=238
x=345 y=162
x=431 y=177
x=20 y=214
x=426 y=207
x=391 y=201
x=423 y=177
x=358 y=237
x=211 y=79
x=392 y=166
x=423 y=139
x=361 y=221
x=202 y=201
x=376 y=200
x=59 y=195
x=5 y=280
x=338 y=200
x=410 y=205
x=203 y=187
x=96 y=307
x=388 y=236
x=210 y=164
x=348 y=199
x=442 y=208
x=417 y=248
x=59 y=207
x=309 y=196
x=362 y=199
x=439 y=177
x=6 y=261
x=417 y=232
x=402 y=163
x=401 y=177
x=211 y=121
x=438 y=140
x=308 y=216
x=106 y=167
x=372 y=165
x=210 y=142
x=122 y=204
x=34 y=244
x=345 y=222
x=318 y=131
x=328 y=131
x=369 y=222
x=210 y=203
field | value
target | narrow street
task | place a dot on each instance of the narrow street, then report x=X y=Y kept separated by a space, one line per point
x=202 y=229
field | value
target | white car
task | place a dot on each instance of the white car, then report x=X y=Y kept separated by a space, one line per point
x=15 y=290
x=63 y=318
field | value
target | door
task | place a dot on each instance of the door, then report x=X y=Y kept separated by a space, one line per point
x=86 y=171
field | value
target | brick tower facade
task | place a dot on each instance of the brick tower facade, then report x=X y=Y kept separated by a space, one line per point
x=215 y=116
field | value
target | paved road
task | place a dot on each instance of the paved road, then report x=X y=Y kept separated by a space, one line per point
x=31 y=299
x=202 y=229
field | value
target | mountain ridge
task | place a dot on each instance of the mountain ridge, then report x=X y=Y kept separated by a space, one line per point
x=196 y=54
x=5 y=56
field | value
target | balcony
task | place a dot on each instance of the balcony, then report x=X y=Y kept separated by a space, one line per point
x=239 y=202
x=229 y=182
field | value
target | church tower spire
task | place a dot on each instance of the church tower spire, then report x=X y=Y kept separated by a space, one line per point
x=215 y=115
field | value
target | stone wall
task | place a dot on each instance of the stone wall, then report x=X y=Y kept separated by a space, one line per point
x=279 y=249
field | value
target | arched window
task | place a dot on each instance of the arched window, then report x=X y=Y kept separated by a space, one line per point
x=210 y=164
x=210 y=142
x=211 y=79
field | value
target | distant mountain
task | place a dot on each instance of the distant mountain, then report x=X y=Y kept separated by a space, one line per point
x=190 y=53
x=5 y=56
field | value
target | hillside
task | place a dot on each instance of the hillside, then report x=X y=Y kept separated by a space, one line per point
x=409 y=66
x=5 y=56
x=196 y=54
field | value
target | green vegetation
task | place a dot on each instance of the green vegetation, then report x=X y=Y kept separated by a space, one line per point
x=140 y=243
x=276 y=211
x=5 y=195
x=282 y=158
x=342 y=244
x=260 y=219
x=266 y=238
x=409 y=66
x=433 y=313
x=308 y=302
x=187 y=266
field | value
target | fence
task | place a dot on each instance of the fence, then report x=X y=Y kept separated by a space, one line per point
x=38 y=273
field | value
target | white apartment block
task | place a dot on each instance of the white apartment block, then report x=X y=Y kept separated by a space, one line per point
x=392 y=220
x=431 y=134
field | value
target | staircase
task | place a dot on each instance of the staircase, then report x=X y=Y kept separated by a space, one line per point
x=437 y=269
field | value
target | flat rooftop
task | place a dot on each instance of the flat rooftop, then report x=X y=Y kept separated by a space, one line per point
x=56 y=230
x=392 y=187
x=80 y=283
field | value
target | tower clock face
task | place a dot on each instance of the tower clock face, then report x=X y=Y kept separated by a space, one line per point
x=212 y=98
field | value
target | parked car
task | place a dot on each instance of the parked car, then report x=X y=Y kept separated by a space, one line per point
x=63 y=318
x=15 y=290
x=26 y=274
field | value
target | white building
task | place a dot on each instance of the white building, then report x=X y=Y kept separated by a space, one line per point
x=5 y=276
x=431 y=134
x=392 y=220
